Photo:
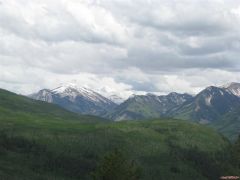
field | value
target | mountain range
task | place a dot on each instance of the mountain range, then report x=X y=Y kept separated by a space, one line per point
x=205 y=107
x=213 y=105
x=148 y=106
x=76 y=99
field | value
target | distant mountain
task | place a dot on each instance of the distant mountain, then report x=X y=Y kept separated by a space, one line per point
x=76 y=99
x=208 y=106
x=21 y=108
x=43 y=95
x=148 y=106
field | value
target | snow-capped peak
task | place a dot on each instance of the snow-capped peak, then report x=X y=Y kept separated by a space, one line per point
x=73 y=91
x=42 y=95
x=233 y=88
x=63 y=88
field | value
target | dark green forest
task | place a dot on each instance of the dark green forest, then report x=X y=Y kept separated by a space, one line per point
x=40 y=141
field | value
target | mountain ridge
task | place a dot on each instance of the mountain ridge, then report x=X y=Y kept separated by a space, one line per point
x=76 y=99
x=204 y=107
x=147 y=106
x=14 y=105
x=208 y=105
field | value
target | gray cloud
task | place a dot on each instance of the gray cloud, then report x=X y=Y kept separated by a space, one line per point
x=137 y=44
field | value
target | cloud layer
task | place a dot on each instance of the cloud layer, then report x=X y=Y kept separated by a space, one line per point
x=119 y=46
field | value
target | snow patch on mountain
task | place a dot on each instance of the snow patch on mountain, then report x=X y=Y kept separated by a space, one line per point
x=43 y=95
x=73 y=91
x=77 y=99
x=233 y=88
x=208 y=100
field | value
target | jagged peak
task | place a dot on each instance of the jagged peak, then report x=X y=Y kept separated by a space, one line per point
x=212 y=89
x=72 y=90
x=233 y=88
x=71 y=86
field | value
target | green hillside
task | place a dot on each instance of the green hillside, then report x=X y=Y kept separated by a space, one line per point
x=13 y=105
x=229 y=125
x=44 y=142
x=139 y=107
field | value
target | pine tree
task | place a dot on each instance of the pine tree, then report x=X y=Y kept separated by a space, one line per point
x=116 y=166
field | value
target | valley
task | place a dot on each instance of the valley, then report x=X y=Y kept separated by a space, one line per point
x=213 y=106
x=43 y=141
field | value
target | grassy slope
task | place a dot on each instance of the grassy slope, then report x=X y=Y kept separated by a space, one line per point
x=229 y=125
x=42 y=141
x=136 y=108
x=12 y=105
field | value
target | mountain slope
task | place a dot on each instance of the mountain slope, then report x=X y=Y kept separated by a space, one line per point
x=76 y=99
x=208 y=106
x=42 y=141
x=116 y=99
x=148 y=106
x=233 y=88
x=17 y=106
x=229 y=124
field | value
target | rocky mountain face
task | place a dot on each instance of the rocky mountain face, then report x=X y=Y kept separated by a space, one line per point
x=76 y=99
x=148 y=106
x=207 y=106
x=233 y=88
x=43 y=95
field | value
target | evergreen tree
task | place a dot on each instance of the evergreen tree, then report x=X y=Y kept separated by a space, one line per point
x=116 y=166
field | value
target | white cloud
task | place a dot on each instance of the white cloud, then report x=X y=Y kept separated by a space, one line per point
x=119 y=46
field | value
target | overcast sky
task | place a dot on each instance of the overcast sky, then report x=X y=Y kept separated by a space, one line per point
x=119 y=46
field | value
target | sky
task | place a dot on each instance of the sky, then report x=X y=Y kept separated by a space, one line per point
x=119 y=47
